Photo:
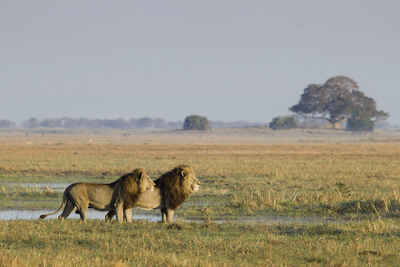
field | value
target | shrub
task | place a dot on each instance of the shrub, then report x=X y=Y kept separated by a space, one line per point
x=196 y=122
x=283 y=122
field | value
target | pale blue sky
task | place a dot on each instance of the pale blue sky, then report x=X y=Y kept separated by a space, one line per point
x=227 y=60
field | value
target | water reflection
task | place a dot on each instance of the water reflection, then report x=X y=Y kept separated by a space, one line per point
x=92 y=214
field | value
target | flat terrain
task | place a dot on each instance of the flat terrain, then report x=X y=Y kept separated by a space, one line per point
x=284 y=198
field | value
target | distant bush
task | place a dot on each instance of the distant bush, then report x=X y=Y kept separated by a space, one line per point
x=196 y=122
x=283 y=122
x=7 y=124
x=360 y=123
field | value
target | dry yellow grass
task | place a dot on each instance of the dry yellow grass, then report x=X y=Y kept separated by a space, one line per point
x=242 y=174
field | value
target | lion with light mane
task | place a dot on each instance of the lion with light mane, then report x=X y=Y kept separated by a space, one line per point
x=79 y=197
x=170 y=191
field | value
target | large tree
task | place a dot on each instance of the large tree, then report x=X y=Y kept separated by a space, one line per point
x=339 y=98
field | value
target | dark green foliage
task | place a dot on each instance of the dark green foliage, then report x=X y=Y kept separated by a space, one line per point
x=283 y=122
x=196 y=122
x=360 y=122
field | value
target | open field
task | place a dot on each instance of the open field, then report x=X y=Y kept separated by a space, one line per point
x=70 y=243
x=344 y=188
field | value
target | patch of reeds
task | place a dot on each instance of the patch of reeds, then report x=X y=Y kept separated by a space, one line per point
x=378 y=207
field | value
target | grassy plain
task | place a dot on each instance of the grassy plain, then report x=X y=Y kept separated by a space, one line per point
x=70 y=243
x=350 y=182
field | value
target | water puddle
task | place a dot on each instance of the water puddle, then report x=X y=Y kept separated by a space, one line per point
x=92 y=214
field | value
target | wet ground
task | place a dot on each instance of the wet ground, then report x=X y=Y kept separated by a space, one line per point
x=93 y=214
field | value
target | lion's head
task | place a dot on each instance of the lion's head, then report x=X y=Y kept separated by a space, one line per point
x=188 y=178
x=177 y=184
x=131 y=185
x=143 y=181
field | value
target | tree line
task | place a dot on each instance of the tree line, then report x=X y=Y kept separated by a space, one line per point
x=84 y=123
x=193 y=122
x=338 y=102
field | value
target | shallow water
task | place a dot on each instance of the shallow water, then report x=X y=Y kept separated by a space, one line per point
x=92 y=214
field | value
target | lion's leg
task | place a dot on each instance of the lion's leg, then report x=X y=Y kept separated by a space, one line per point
x=69 y=208
x=170 y=215
x=83 y=213
x=109 y=215
x=128 y=215
x=120 y=212
x=164 y=215
x=82 y=207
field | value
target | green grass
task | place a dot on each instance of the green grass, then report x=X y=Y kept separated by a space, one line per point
x=54 y=243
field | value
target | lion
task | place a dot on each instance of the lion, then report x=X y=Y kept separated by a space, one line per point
x=81 y=196
x=171 y=190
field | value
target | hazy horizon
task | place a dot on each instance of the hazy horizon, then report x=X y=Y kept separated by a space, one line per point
x=226 y=60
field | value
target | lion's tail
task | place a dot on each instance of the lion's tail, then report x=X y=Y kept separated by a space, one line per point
x=59 y=208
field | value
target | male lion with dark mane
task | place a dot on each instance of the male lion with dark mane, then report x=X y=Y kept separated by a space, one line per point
x=171 y=190
x=79 y=197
